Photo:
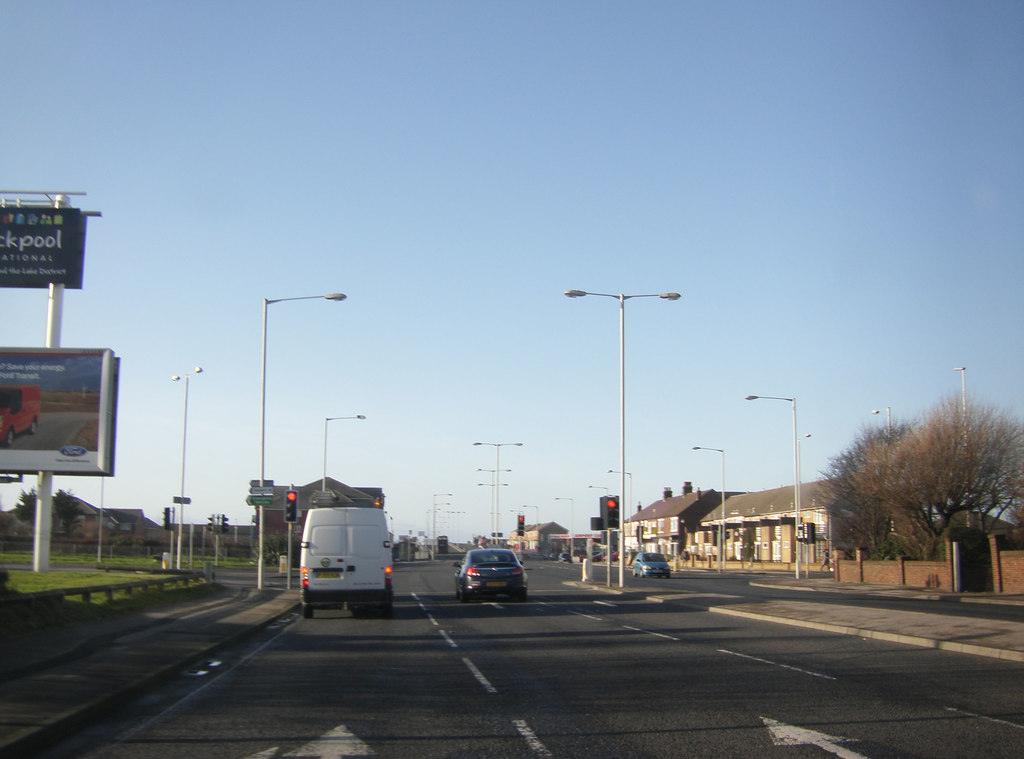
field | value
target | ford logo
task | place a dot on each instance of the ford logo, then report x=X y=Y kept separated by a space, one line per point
x=73 y=450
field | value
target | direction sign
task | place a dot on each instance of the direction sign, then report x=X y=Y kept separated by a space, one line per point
x=260 y=500
x=261 y=483
x=255 y=490
x=184 y=499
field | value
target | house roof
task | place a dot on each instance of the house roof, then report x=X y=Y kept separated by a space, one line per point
x=775 y=501
x=688 y=506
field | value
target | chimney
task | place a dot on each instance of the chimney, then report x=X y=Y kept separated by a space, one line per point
x=667 y=494
x=687 y=488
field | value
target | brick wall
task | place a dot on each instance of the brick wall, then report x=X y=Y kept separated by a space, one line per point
x=914 y=574
x=928 y=574
x=1007 y=569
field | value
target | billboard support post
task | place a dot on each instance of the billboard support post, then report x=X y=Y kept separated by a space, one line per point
x=44 y=485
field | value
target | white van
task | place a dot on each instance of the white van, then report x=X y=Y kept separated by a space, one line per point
x=346 y=559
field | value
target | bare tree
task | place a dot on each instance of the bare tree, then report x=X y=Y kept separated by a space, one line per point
x=857 y=482
x=956 y=468
x=953 y=468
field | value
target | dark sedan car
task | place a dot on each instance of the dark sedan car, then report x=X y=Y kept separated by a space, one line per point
x=490 y=572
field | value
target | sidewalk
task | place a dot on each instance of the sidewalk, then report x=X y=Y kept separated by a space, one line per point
x=56 y=680
x=976 y=634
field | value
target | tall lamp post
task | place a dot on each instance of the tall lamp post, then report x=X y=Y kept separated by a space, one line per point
x=263 y=413
x=572 y=519
x=181 y=500
x=433 y=517
x=622 y=399
x=497 y=484
x=796 y=472
x=721 y=527
x=323 y=480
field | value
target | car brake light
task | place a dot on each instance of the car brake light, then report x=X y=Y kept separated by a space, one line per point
x=517 y=570
x=473 y=572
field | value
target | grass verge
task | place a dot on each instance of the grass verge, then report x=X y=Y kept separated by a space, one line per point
x=18 y=619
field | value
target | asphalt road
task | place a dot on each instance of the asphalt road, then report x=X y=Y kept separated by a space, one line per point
x=573 y=672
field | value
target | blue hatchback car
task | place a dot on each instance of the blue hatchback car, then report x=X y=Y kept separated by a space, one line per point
x=651 y=565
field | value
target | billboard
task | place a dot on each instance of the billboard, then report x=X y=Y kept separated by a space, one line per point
x=58 y=410
x=40 y=245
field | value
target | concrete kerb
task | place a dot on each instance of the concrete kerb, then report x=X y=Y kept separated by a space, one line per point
x=692 y=600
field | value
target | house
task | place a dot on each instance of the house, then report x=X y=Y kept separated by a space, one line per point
x=761 y=527
x=672 y=525
x=538 y=538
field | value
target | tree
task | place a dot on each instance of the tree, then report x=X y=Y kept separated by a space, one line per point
x=904 y=492
x=25 y=511
x=957 y=464
x=856 y=481
x=66 y=510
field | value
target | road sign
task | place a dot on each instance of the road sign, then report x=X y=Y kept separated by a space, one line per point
x=256 y=490
x=183 y=499
x=261 y=483
x=260 y=500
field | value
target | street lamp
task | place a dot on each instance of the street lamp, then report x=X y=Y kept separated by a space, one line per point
x=497 y=483
x=263 y=413
x=433 y=517
x=181 y=500
x=323 y=481
x=888 y=419
x=796 y=471
x=622 y=401
x=963 y=387
x=572 y=519
x=721 y=527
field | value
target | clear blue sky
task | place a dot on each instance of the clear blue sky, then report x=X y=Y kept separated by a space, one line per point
x=835 y=188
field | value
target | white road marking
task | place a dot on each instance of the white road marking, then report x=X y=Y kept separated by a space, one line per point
x=788 y=735
x=538 y=748
x=448 y=639
x=582 y=614
x=982 y=716
x=777 y=664
x=338 y=743
x=479 y=676
x=605 y=603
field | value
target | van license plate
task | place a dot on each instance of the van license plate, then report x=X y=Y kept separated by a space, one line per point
x=328 y=573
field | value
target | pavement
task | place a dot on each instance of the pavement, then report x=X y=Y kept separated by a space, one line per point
x=55 y=681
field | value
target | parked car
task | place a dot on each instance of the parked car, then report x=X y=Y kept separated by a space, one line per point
x=651 y=565
x=490 y=572
x=565 y=557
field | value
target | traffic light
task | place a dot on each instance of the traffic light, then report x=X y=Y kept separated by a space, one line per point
x=212 y=526
x=291 y=506
x=521 y=525
x=167 y=517
x=224 y=523
x=610 y=511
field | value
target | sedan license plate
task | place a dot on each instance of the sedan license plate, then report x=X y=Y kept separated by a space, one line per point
x=330 y=573
x=496 y=584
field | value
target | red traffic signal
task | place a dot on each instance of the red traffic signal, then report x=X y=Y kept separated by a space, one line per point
x=291 y=506
x=521 y=525
x=610 y=512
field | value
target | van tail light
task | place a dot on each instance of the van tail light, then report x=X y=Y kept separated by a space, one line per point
x=305 y=575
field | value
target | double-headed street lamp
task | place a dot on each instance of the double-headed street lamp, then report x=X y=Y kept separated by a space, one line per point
x=796 y=473
x=622 y=402
x=263 y=412
x=497 y=484
x=323 y=481
x=721 y=527
x=181 y=500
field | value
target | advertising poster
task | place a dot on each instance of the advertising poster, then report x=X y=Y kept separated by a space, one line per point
x=57 y=410
x=40 y=246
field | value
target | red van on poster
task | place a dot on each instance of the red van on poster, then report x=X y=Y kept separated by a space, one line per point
x=19 y=411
